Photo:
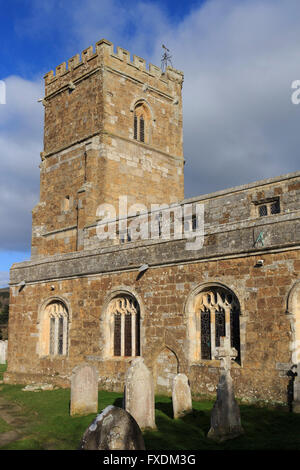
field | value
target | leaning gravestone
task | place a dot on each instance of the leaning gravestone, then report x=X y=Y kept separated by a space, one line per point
x=3 y=351
x=139 y=394
x=181 y=396
x=113 y=429
x=84 y=390
x=296 y=398
x=225 y=418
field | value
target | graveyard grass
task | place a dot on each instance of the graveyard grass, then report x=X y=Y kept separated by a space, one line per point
x=48 y=424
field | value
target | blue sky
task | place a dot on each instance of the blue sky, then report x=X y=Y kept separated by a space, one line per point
x=239 y=58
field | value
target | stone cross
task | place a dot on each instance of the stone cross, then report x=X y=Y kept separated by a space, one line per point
x=225 y=353
x=225 y=420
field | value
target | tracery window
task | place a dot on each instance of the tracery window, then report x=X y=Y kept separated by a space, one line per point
x=124 y=314
x=55 y=329
x=141 y=123
x=218 y=314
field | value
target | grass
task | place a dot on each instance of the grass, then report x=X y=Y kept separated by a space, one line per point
x=49 y=425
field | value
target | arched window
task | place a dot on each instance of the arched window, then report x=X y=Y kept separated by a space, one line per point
x=217 y=313
x=124 y=314
x=54 y=329
x=141 y=123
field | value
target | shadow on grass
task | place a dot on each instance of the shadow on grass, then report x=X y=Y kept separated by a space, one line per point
x=265 y=428
x=50 y=425
x=118 y=402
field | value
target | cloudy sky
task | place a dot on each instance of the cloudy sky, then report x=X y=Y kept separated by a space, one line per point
x=239 y=58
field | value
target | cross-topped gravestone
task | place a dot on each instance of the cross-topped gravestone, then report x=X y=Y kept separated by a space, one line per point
x=225 y=418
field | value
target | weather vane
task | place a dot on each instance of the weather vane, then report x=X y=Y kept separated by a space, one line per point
x=166 y=58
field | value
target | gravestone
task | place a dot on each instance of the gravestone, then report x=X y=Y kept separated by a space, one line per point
x=3 y=351
x=139 y=394
x=84 y=390
x=181 y=396
x=113 y=429
x=225 y=418
x=296 y=397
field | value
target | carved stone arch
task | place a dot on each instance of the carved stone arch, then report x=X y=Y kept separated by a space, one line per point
x=293 y=310
x=143 y=121
x=194 y=322
x=106 y=343
x=166 y=366
x=55 y=307
x=141 y=100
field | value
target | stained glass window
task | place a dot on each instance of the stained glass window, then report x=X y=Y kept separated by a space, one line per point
x=275 y=207
x=117 y=334
x=205 y=334
x=263 y=210
x=220 y=325
x=142 y=129
x=135 y=132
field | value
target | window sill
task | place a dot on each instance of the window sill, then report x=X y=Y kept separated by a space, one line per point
x=58 y=356
x=214 y=363
x=122 y=358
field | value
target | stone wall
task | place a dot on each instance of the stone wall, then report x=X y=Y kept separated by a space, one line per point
x=163 y=293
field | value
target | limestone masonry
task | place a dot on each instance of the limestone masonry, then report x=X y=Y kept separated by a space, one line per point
x=113 y=128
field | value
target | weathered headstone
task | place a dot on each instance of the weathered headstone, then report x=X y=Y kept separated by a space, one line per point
x=3 y=351
x=225 y=418
x=84 y=390
x=113 y=429
x=139 y=394
x=181 y=396
x=296 y=395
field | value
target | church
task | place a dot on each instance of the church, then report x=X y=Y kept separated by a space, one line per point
x=221 y=264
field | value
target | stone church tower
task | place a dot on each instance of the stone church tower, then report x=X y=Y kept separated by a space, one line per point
x=112 y=128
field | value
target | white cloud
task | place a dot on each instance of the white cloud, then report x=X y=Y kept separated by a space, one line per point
x=4 y=279
x=239 y=59
x=20 y=145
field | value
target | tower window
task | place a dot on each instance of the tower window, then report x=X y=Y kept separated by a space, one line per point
x=135 y=132
x=142 y=129
x=66 y=203
x=141 y=123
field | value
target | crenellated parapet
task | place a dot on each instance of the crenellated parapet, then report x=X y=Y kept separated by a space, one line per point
x=104 y=53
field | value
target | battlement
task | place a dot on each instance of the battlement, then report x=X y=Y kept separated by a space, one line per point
x=105 y=48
